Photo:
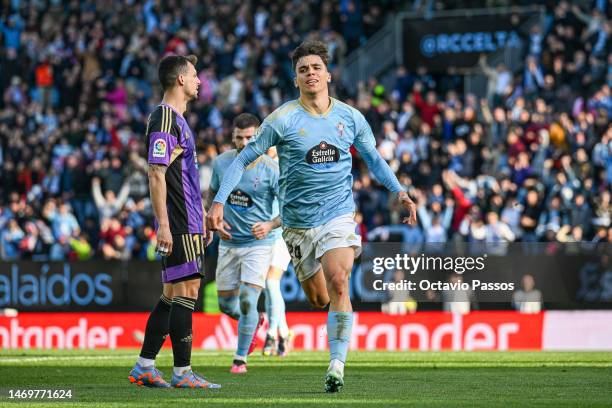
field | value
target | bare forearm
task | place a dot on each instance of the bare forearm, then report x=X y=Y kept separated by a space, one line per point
x=157 y=187
x=209 y=198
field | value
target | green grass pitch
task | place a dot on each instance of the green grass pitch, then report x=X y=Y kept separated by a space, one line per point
x=418 y=379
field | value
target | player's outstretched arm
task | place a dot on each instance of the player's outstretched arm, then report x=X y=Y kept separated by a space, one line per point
x=366 y=146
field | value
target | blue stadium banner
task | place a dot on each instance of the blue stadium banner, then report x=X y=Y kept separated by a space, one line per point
x=79 y=286
x=442 y=42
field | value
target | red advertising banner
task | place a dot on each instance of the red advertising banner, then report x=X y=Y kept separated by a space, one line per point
x=371 y=331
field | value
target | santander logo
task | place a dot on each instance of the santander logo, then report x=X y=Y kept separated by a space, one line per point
x=79 y=336
x=455 y=335
x=504 y=330
x=427 y=331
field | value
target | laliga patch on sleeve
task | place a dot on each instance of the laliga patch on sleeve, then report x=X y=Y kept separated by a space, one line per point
x=159 y=148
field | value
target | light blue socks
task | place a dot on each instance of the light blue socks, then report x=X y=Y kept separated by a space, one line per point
x=339 y=326
x=248 y=318
x=275 y=308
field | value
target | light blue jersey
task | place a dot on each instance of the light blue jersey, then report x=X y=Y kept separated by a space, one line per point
x=315 y=161
x=251 y=201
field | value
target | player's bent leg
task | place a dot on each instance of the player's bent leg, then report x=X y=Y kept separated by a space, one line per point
x=316 y=290
x=337 y=265
x=250 y=320
x=144 y=372
x=228 y=303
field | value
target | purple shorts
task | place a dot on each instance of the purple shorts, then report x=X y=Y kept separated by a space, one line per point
x=186 y=259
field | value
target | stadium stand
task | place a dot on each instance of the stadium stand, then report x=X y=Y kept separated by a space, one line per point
x=529 y=161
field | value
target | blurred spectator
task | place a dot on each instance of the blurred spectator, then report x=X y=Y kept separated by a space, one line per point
x=113 y=239
x=500 y=81
x=400 y=302
x=109 y=204
x=530 y=215
x=459 y=300
x=12 y=235
x=65 y=227
x=528 y=299
x=435 y=221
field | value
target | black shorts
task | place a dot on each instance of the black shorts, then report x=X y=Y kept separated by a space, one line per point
x=186 y=260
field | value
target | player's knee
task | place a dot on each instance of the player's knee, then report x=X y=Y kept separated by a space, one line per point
x=339 y=283
x=245 y=305
x=247 y=298
x=319 y=301
x=167 y=291
x=225 y=305
x=192 y=288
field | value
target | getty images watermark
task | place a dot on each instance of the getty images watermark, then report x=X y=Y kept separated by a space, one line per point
x=483 y=272
x=411 y=265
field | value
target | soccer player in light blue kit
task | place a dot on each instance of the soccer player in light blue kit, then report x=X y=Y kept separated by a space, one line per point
x=245 y=251
x=313 y=136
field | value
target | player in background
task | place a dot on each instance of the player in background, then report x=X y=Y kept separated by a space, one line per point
x=275 y=304
x=250 y=231
x=313 y=136
x=181 y=235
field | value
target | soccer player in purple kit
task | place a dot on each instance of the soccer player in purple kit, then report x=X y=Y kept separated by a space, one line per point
x=181 y=234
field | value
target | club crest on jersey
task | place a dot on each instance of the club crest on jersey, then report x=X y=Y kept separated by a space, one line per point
x=159 y=148
x=340 y=127
x=323 y=156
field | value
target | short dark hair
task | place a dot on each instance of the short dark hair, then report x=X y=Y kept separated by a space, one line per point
x=310 y=47
x=245 y=121
x=171 y=66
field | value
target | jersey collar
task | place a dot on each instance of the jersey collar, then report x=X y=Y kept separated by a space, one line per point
x=315 y=114
x=171 y=107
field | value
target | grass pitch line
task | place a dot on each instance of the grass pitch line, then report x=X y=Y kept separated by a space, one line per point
x=125 y=357
x=63 y=358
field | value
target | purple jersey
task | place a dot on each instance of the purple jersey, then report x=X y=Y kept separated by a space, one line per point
x=172 y=144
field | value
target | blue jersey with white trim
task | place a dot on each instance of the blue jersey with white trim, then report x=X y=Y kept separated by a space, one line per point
x=315 y=161
x=251 y=201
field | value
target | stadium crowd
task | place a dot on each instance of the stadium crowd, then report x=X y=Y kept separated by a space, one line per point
x=530 y=161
